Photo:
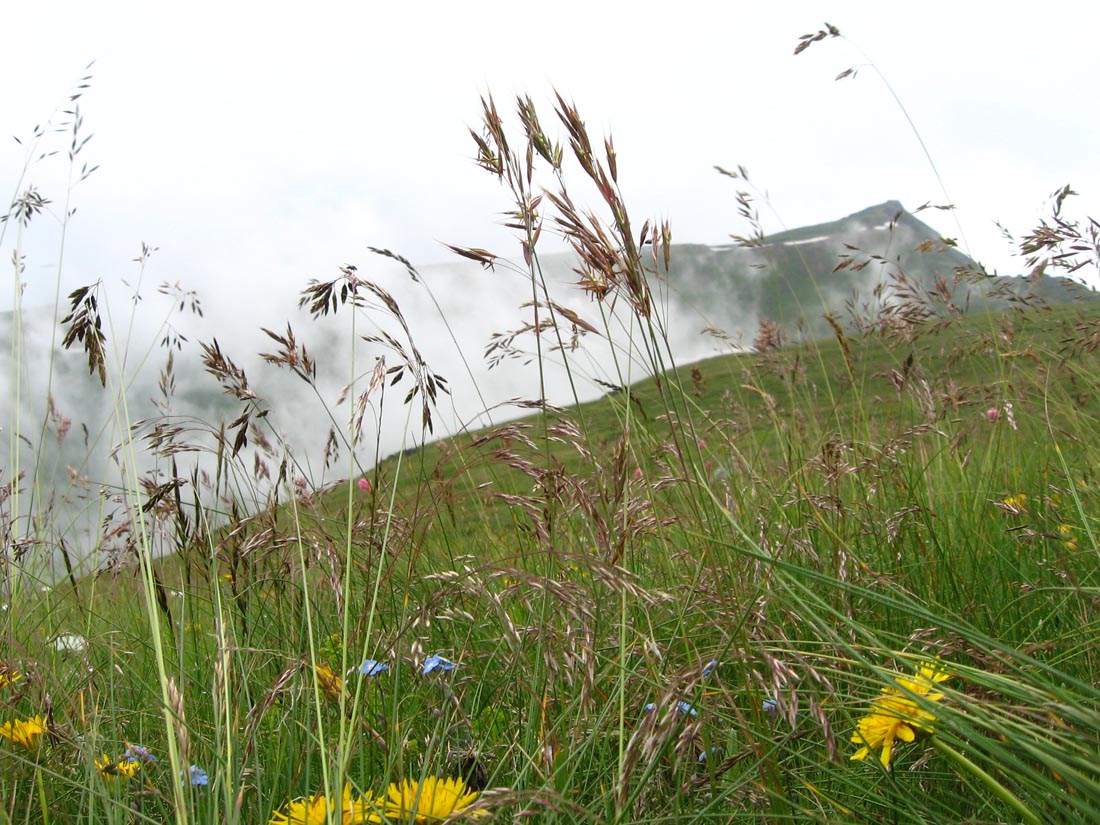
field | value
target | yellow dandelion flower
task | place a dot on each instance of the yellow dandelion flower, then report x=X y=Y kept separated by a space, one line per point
x=895 y=716
x=433 y=799
x=314 y=810
x=331 y=684
x=25 y=733
x=9 y=676
x=1015 y=504
x=109 y=769
x=928 y=676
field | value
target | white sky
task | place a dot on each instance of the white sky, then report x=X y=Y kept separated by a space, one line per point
x=260 y=144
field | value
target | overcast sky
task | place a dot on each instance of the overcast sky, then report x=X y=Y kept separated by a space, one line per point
x=259 y=144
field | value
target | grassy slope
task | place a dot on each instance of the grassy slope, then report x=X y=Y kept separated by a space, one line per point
x=809 y=393
x=754 y=424
x=808 y=509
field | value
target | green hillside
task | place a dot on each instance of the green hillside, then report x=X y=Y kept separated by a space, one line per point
x=855 y=392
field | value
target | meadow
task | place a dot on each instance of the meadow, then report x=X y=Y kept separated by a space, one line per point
x=850 y=579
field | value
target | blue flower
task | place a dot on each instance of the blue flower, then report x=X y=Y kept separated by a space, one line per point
x=709 y=667
x=198 y=776
x=679 y=707
x=437 y=662
x=770 y=707
x=372 y=667
x=715 y=752
x=136 y=753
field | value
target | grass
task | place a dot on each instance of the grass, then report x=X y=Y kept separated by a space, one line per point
x=674 y=604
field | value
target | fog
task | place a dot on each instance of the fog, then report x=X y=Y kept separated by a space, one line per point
x=96 y=440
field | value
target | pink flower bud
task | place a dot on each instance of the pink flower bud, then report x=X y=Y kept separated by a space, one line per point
x=364 y=484
x=992 y=413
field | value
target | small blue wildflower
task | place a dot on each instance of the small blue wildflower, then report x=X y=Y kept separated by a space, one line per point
x=709 y=667
x=436 y=662
x=198 y=776
x=679 y=707
x=136 y=753
x=770 y=707
x=372 y=667
x=716 y=752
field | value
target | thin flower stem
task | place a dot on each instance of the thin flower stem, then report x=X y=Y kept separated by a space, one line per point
x=992 y=784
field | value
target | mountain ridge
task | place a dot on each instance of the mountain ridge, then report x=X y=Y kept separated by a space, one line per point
x=851 y=269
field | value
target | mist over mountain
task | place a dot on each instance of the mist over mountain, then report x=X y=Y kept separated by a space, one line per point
x=854 y=269
x=80 y=444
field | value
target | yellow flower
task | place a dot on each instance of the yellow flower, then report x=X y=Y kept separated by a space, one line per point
x=331 y=684
x=928 y=676
x=9 y=676
x=26 y=733
x=108 y=769
x=315 y=809
x=1068 y=539
x=1015 y=504
x=432 y=799
x=895 y=715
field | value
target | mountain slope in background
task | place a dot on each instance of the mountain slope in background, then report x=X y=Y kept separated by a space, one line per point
x=852 y=268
